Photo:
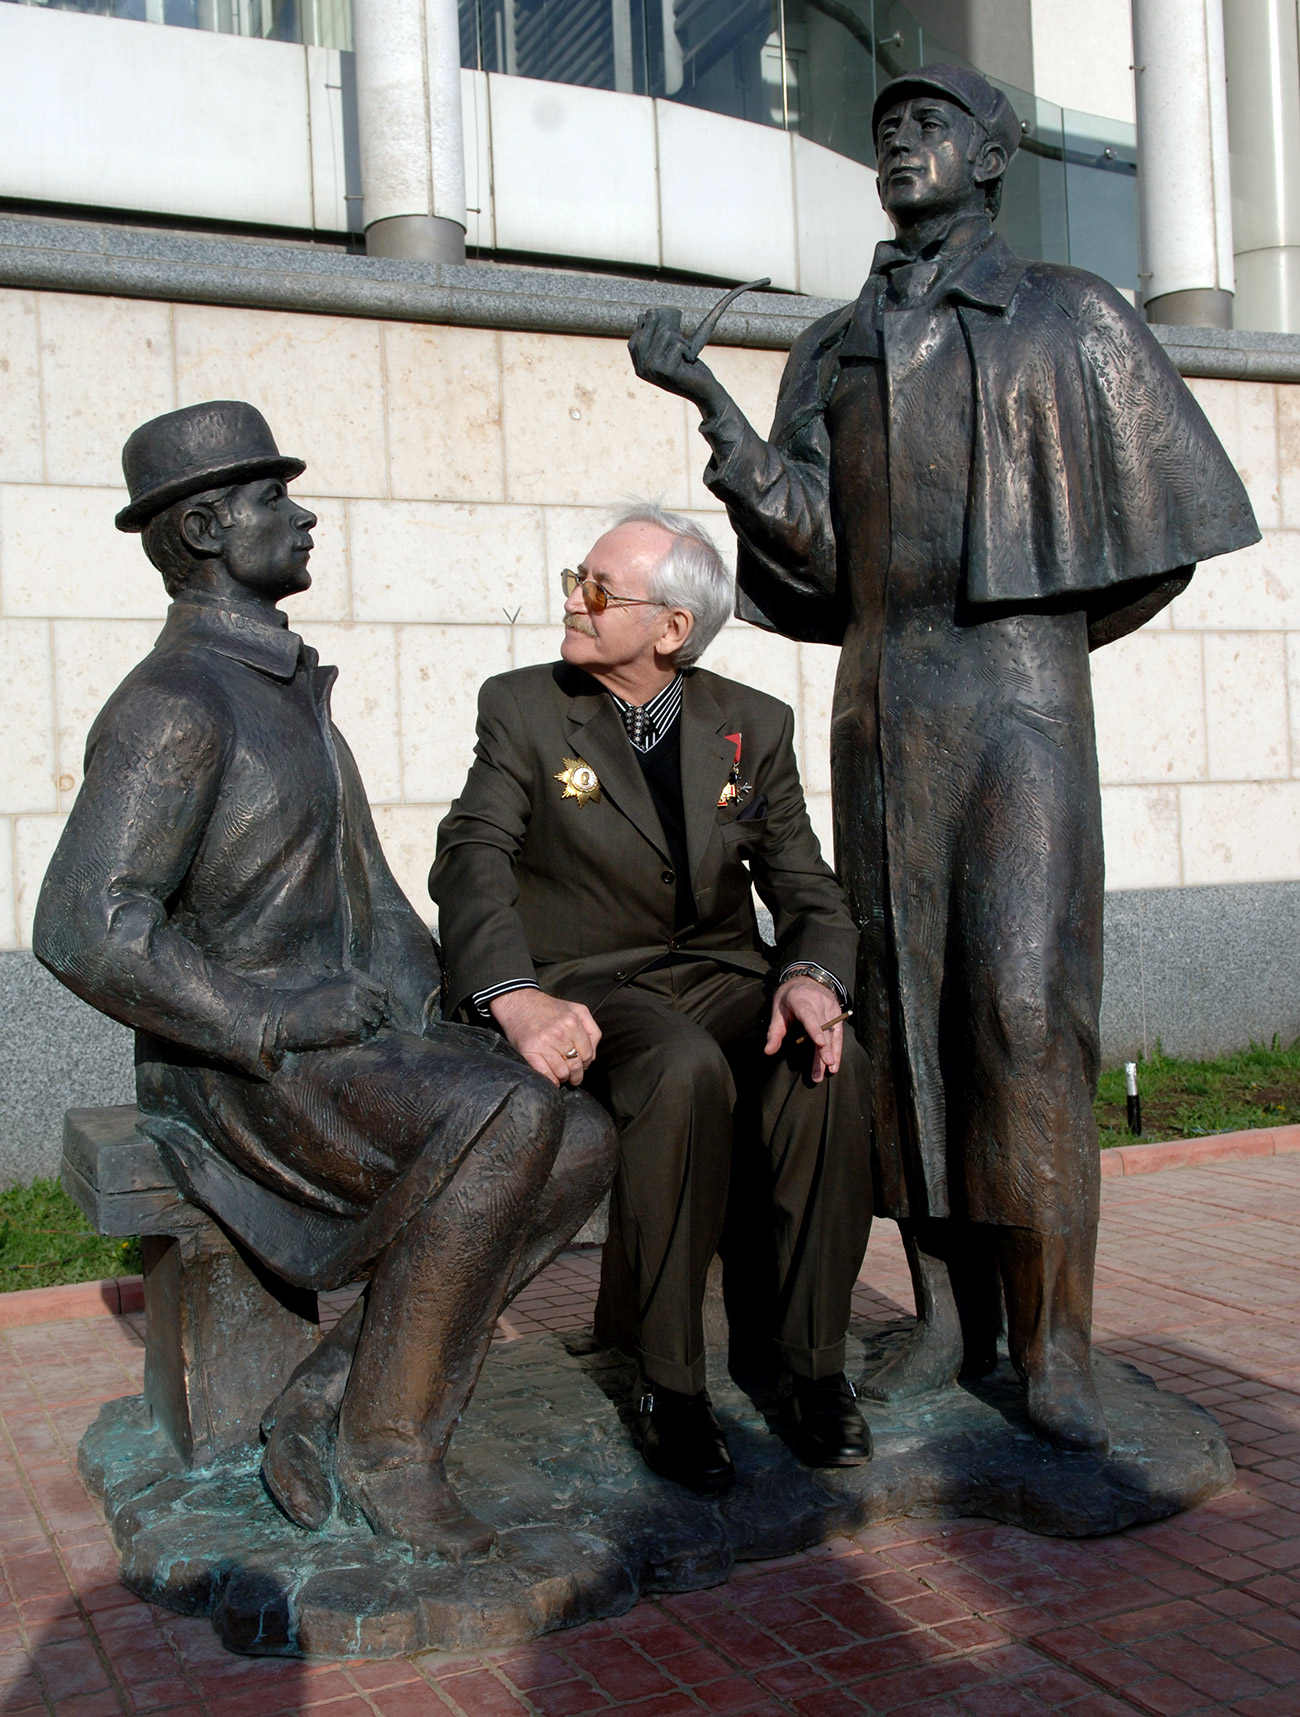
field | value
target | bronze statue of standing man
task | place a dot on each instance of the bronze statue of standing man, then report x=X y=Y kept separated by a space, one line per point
x=979 y=471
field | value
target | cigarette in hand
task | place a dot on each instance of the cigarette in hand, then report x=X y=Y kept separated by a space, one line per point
x=838 y=1020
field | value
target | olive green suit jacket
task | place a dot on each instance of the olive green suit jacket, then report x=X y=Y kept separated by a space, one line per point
x=579 y=891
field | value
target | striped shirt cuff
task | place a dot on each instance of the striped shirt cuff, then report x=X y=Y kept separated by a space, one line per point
x=481 y=998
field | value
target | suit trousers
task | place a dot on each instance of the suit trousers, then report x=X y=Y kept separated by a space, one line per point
x=701 y=1111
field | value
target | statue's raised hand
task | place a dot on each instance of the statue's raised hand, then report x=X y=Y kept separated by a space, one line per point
x=661 y=354
x=344 y=1010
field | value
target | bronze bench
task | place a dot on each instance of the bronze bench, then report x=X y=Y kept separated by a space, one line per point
x=222 y=1334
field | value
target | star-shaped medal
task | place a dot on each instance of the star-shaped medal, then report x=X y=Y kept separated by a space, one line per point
x=579 y=780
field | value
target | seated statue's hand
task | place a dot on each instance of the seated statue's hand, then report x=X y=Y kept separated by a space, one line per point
x=556 y=1038
x=345 y=1010
x=660 y=354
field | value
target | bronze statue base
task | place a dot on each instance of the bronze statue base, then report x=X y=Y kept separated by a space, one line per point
x=585 y=1529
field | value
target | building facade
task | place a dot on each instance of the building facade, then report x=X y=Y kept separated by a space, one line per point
x=217 y=211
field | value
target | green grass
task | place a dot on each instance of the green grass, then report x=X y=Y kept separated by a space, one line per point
x=45 y=1240
x=1187 y=1099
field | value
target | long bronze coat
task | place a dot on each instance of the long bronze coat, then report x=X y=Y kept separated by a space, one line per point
x=967 y=492
x=220 y=856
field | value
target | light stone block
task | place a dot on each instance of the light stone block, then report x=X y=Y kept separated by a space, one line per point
x=573 y=171
x=1255 y=589
x=839 y=220
x=752 y=380
x=8 y=921
x=330 y=594
x=1288 y=453
x=1141 y=830
x=1247 y=722
x=91 y=659
x=1149 y=699
x=60 y=557
x=818 y=664
x=440 y=669
x=733 y=219
x=364 y=700
x=106 y=368
x=35 y=839
x=447 y=563
x=409 y=835
x=20 y=389
x=1293 y=696
x=1246 y=831
x=581 y=430
x=532 y=645
x=26 y=717
x=444 y=413
x=318 y=381
x=1244 y=416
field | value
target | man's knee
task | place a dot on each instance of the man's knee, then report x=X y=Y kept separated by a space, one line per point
x=683 y=1069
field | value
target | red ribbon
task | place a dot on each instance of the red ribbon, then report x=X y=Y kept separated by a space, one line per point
x=734 y=739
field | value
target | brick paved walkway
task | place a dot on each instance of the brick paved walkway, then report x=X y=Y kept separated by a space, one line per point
x=1199 y=1283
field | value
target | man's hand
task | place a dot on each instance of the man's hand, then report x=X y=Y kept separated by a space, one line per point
x=345 y=1010
x=659 y=355
x=804 y=1002
x=546 y=1031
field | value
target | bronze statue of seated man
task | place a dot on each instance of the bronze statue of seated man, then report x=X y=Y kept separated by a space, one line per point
x=221 y=889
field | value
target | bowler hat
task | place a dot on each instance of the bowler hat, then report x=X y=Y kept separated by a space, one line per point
x=200 y=447
x=960 y=84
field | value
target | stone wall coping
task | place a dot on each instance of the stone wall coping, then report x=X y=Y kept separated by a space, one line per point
x=116 y=260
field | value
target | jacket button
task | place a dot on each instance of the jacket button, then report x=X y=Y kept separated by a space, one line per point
x=669 y=876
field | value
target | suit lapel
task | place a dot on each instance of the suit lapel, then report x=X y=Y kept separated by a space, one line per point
x=706 y=758
x=597 y=735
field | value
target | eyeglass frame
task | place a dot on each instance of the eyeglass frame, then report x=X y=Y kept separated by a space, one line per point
x=571 y=581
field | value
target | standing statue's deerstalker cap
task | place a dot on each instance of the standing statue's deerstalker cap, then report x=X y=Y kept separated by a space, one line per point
x=200 y=447
x=975 y=94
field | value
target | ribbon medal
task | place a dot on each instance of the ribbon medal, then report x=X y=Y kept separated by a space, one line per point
x=737 y=787
x=579 y=780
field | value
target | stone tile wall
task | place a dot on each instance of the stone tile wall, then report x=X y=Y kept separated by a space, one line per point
x=455 y=472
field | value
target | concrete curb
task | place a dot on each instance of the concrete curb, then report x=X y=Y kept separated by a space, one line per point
x=1192 y=1153
x=122 y=1294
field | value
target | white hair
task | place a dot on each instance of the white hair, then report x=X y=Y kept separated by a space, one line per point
x=691 y=575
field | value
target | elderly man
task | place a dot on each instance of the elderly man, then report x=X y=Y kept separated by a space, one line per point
x=220 y=888
x=978 y=471
x=594 y=881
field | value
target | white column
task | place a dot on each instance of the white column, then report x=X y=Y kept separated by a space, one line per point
x=1263 y=60
x=1184 y=198
x=409 y=120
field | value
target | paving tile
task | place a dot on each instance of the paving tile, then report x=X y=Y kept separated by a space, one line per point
x=1197 y=1284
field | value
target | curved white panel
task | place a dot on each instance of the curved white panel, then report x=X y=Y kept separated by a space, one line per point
x=124 y=115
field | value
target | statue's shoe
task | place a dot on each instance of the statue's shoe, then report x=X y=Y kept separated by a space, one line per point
x=1065 y=1411
x=930 y=1360
x=297 y=1459
x=414 y=1504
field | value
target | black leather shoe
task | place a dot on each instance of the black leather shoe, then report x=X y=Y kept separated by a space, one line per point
x=681 y=1440
x=822 y=1424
